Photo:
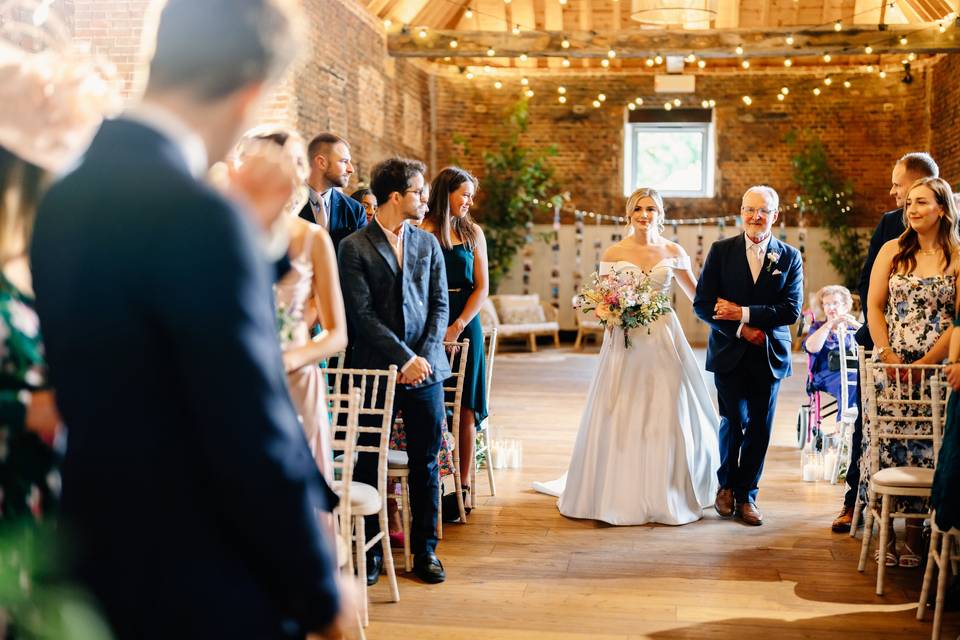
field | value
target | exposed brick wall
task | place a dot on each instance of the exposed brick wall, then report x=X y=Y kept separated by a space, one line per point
x=945 y=117
x=862 y=127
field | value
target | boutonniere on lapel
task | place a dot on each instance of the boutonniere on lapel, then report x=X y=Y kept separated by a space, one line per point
x=772 y=259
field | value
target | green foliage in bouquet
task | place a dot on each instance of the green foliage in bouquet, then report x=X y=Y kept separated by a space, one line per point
x=517 y=178
x=827 y=197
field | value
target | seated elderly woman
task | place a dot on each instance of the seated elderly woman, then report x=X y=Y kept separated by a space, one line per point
x=823 y=340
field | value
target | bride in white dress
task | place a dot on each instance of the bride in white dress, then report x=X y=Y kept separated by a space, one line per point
x=646 y=450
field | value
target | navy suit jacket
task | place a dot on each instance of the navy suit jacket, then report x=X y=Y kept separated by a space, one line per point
x=774 y=301
x=188 y=485
x=394 y=314
x=890 y=227
x=346 y=216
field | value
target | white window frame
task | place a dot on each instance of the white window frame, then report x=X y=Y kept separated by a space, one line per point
x=634 y=129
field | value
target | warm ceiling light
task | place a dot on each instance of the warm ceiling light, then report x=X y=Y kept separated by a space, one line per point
x=837 y=26
x=631 y=106
x=565 y=43
x=491 y=52
x=668 y=106
x=602 y=97
x=747 y=100
x=604 y=63
x=828 y=81
x=649 y=62
x=883 y=74
x=454 y=44
x=745 y=64
x=789 y=39
x=713 y=103
x=561 y=90
x=469 y=75
x=562 y=2
x=516 y=30
x=701 y=63
x=739 y=50
x=529 y=93
x=566 y=62
x=868 y=49
x=562 y=99
x=596 y=104
x=869 y=68
x=912 y=57
x=611 y=53
x=676 y=102
x=827 y=57
x=498 y=85
x=943 y=29
x=658 y=59
x=705 y=103
x=523 y=57
x=846 y=84
x=816 y=91
x=468 y=13
x=387 y=23
x=447 y=58
x=903 y=40
x=639 y=101
x=423 y=33
x=691 y=58
x=780 y=97
x=785 y=90
x=524 y=81
x=787 y=62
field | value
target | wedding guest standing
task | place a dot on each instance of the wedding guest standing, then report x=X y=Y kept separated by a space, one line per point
x=465 y=256
x=330 y=169
x=911 y=307
x=189 y=489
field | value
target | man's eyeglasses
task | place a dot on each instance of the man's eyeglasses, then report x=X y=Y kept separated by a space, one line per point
x=421 y=192
x=752 y=210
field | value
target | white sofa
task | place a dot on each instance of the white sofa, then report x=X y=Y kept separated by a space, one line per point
x=521 y=316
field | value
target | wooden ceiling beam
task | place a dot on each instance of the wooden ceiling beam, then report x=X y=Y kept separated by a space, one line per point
x=709 y=44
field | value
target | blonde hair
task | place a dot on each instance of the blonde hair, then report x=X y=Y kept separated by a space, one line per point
x=637 y=196
x=831 y=290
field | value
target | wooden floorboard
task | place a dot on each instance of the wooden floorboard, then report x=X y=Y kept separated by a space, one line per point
x=520 y=570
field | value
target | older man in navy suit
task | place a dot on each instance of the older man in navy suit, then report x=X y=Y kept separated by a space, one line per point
x=330 y=169
x=750 y=292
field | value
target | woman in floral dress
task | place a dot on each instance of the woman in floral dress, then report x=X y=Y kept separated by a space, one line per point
x=912 y=303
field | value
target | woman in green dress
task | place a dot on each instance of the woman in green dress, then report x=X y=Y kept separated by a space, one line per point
x=465 y=254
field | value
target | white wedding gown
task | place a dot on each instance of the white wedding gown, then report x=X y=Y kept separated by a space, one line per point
x=646 y=450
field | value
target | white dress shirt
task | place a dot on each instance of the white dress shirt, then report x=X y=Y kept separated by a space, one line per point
x=755 y=256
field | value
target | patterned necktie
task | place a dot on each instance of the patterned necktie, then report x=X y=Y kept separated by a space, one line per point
x=320 y=213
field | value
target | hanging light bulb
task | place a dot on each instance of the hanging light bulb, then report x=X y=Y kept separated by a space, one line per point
x=868 y=49
x=387 y=23
x=846 y=84
x=869 y=68
x=523 y=57
x=745 y=64
x=562 y=2
x=658 y=59
x=649 y=62
x=447 y=58
x=827 y=57
x=529 y=93
x=785 y=90
x=701 y=63
x=676 y=102
x=565 y=43
x=491 y=52
x=790 y=40
x=691 y=59
x=838 y=26
x=566 y=62
x=498 y=85
x=780 y=97
x=631 y=106
x=596 y=104
x=562 y=99
x=903 y=40
x=611 y=53
x=561 y=90
x=713 y=103
x=704 y=103
x=943 y=29
x=747 y=100
x=454 y=44
x=883 y=74
x=912 y=57
x=828 y=81
x=422 y=33
x=468 y=13
x=816 y=91
x=668 y=106
x=487 y=68
x=516 y=30
x=639 y=101
x=524 y=82
x=604 y=63
x=787 y=62
x=739 y=50
x=602 y=97
x=469 y=75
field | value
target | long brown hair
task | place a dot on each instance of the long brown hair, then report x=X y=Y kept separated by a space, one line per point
x=447 y=182
x=21 y=184
x=947 y=236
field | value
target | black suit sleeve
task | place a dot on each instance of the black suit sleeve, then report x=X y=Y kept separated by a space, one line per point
x=787 y=309
x=438 y=314
x=708 y=290
x=212 y=300
x=359 y=302
x=876 y=242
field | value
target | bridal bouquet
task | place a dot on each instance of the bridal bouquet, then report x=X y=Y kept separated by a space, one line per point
x=624 y=299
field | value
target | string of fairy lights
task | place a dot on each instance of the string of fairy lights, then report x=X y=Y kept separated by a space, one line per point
x=883 y=66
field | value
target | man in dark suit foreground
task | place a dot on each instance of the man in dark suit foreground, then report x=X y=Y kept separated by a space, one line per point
x=189 y=491
x=395 y=288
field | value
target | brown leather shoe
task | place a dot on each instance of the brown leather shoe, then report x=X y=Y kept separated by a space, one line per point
x=843 y=522
x=749 y=514
x=724 y=503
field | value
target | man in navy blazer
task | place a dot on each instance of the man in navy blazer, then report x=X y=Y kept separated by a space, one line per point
x=750 y=292
x=330 y=170
x=395 y=291
x=189 y=493
x=908 y=169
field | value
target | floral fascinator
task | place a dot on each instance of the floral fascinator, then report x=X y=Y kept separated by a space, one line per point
x=54 y=93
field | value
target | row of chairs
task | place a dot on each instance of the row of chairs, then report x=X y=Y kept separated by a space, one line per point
x=904 y=402
x=373 y=390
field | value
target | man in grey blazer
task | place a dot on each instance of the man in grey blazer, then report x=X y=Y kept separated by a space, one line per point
x=395 y=289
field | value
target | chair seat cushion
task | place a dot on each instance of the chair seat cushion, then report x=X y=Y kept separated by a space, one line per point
x=538 y=327
x=364 y=499
x=397 y=459
x=912 y=477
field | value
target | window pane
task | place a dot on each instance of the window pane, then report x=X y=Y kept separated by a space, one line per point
x=669 y=160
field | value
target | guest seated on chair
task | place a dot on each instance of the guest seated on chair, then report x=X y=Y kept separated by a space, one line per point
x=823 y=342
